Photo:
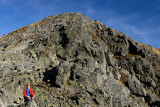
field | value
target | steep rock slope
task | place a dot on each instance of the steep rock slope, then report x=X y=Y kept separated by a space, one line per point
x=71 y=60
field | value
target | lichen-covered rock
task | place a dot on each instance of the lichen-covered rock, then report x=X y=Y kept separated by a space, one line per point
x=71 y=60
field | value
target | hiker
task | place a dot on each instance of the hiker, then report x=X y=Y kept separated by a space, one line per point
x=28 y=95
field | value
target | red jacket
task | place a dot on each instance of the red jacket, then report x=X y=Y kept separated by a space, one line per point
x=25 y=93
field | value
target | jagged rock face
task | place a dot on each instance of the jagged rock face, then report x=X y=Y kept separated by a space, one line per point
x=71 y=60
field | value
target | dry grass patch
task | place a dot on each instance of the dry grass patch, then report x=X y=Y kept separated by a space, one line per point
x=124 y=77
x=152 y=49
x=120 y=82
x=127 y=55
x=94 y=37
x=29 y=37
x=22 y=30
x=43 y=21
x=157 y=51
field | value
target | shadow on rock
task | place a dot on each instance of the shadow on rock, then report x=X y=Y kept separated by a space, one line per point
x=155 y=104
x=50 y=76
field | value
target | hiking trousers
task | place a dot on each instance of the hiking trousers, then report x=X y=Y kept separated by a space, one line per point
x=28 y=101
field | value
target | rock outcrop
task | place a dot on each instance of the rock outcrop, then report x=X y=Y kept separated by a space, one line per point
x=71 y=60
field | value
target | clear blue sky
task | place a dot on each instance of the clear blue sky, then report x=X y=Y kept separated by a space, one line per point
x=139 y=19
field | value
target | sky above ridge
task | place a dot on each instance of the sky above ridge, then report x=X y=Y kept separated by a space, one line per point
x=139 y=19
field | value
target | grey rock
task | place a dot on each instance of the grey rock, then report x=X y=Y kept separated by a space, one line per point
x=71 y=60
x=135 y=87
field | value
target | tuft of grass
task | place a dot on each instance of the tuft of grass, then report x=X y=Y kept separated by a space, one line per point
x=132 y=96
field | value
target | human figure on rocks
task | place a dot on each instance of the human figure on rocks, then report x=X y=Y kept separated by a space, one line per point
x=28 y=96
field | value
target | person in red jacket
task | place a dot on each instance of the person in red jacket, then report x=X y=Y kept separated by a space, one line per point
x=28 y=95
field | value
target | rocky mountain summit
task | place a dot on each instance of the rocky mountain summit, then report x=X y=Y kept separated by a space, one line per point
x=71 y=60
